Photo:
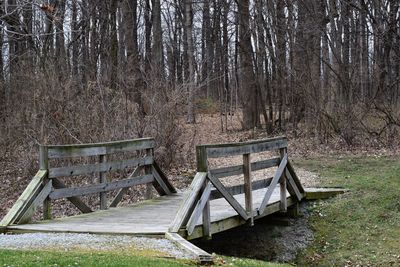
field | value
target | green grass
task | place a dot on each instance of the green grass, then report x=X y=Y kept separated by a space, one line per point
x=77 y=258
x=362 y=227
x=95 y=258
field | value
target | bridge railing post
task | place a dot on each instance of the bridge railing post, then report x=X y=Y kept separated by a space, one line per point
x=44 y=165
x=206 y=216
x=248 y=190
x=202 y=166
x=103 y=180
x=282 y=182
x=147 y=170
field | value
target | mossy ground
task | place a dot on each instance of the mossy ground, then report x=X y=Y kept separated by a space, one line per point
x=361 y=227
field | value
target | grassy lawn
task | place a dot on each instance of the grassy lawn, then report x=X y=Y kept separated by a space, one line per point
x=88 y=258
x=362 y=227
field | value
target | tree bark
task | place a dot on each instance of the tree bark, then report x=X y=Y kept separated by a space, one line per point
x=190 y=51
x=157 y=62
x=251 y=115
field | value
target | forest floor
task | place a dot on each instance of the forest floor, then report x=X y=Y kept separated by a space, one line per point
x=329 y=164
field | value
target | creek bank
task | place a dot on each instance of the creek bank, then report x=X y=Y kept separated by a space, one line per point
x=264 y=241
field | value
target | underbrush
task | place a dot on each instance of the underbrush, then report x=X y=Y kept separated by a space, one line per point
x=361 y=227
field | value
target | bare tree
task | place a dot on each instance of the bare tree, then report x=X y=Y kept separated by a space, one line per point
x=251 y=115
x=190 y=56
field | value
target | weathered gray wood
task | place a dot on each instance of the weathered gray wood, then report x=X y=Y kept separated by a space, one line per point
x=282 y=182
x=92 y=189
x=227 y=171
x=122 y=191
x=187 y=206
x=231 y=200
x=45 y=191
x=198 y=210
x=151 y=217
x=207 y=220
x=57 y=184
x=238 y=169
x=103 y=181
x=248 y=191
x=201 y=159
x=96 y=149
x=294 y=191
x=44 y=165
x=118 y=197
x=273 y=184
x=322 y=193
x=282 y=187
x=25 y=199
x=201 y=255
x=43 y=158
x=171 y=188
x=157 y=179
x=295 y=177
x=234 y=221
x=239 y=189
x=148 y=170
x=265 y=164
x=232 y=149
x=99 y=167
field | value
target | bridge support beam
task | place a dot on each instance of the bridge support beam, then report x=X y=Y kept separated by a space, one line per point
x=202 y=256
x=294 y=211
x=248 y=190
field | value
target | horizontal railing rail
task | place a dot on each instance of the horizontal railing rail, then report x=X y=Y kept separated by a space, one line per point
x=47 y=184
x=100 y=167
x=97 y=149
x=234 y=149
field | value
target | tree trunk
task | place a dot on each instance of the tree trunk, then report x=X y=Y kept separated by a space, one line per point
x=136 y=85
x=281 y=59
x=114 y=45
x=190 y=55
x=147 y=26
x=157 y=62
x=251 y=115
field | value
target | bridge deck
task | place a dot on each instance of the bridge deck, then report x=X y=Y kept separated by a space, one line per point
x=152 y=217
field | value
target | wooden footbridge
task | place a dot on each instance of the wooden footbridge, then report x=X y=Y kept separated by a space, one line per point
x=205 y=208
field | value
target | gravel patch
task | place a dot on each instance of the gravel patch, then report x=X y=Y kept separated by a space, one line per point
x=90 y=242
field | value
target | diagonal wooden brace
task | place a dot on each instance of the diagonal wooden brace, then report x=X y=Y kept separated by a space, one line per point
x=231 y=200
x=273 y=184
x=197 y=212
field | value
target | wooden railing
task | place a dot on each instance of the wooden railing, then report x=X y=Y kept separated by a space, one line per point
x=206 y=185
x=46 y=185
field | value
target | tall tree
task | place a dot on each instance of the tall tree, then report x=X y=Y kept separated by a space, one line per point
x=136 y=81
x=114 y=44
x=157 y=49
x=281 y=57
x=2 y=87
x=190 y=56
x=248 y=87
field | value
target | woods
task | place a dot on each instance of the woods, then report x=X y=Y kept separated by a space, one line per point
x=83 y=70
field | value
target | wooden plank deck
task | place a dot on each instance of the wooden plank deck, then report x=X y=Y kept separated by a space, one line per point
x=151 y=217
